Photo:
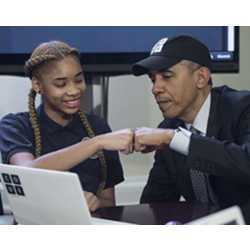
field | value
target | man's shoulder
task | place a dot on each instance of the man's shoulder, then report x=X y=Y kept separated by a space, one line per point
x=232 y=98
x=230 y=93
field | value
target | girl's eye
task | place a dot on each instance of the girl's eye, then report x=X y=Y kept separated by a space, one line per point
x=60 y=84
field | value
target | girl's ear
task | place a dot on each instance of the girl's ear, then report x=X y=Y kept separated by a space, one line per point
x=36 y=85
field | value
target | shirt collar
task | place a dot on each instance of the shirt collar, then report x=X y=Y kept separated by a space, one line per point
x=201 y=119
x=50 y=125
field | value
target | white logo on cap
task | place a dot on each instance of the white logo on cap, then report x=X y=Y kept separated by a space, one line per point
x=158 y=46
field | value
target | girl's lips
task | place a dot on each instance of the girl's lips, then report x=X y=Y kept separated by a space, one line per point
x=73 y=103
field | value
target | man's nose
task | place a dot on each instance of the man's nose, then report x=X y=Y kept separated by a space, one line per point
x=158 y=87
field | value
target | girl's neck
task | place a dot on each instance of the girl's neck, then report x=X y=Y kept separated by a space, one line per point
x=60 y=118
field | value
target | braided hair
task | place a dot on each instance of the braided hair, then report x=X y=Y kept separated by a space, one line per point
x=44 y=53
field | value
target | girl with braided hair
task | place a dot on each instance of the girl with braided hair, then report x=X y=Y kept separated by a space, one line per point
x=53 y=136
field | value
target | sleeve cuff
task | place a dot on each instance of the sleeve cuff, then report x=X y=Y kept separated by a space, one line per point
x=181 y=141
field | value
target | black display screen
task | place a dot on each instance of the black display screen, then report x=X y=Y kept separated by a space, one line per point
x=112 y=50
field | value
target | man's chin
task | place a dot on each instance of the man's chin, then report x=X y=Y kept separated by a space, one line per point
x=168 y=115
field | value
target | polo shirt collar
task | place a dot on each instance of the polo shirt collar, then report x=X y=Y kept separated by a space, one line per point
x=50 y=125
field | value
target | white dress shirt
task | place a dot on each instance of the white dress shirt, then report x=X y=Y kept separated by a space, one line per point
x=181 y=139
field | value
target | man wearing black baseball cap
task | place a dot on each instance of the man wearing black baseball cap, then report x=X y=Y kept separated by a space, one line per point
x=203 y=144
x=168 y=52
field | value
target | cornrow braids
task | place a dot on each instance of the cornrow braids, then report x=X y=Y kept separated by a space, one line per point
x=47 y=52
x=34 y=123
x=100 y=154
x=34 y=61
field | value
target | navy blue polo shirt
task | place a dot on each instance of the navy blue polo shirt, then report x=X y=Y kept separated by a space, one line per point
x=16 y=135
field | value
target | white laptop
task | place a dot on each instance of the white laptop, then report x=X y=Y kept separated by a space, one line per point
x=228 y=216
x=46 y=197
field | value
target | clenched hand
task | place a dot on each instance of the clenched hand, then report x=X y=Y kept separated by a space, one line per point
x=149 y=139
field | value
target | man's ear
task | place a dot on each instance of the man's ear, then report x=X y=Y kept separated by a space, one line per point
x=203 y=77
x=36 y=85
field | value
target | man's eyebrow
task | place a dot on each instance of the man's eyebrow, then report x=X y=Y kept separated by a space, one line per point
x=166 y=71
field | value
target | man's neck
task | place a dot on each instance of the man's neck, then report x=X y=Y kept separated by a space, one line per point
x=192 y=112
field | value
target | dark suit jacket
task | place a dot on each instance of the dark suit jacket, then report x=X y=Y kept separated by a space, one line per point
x=224 y=153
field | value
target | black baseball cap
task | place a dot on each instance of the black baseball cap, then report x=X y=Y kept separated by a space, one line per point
x=168 y=52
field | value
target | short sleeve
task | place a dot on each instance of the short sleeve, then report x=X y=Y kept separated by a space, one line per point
x=15 y=135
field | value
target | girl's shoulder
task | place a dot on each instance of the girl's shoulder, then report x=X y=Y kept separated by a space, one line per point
x=98 y=123
x=16 y=118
